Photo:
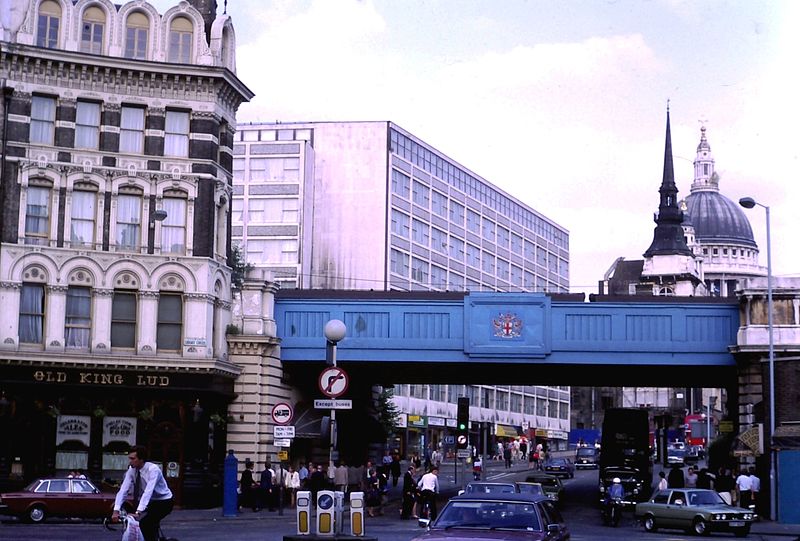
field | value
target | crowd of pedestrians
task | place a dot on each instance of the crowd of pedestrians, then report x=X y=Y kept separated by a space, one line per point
x=741 y=490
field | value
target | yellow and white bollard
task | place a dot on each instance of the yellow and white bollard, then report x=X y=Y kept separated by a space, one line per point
x=357 y=514
x=325 y=513
x=303 y=512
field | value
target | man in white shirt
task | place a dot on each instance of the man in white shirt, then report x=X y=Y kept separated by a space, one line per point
x=745 y=486
x=151 y=494
x=429 y=488
x=755 y=486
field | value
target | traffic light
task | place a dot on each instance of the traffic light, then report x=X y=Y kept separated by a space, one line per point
x=462 y=423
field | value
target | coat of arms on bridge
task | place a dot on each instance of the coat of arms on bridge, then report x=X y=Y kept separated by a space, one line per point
x=507 y=325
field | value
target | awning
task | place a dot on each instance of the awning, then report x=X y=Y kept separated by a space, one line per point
x=507 y=431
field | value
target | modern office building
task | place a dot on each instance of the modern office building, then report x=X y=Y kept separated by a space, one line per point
x=367 y=205
x=118 y=125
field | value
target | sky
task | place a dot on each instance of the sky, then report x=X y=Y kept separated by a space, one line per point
x=561 y=104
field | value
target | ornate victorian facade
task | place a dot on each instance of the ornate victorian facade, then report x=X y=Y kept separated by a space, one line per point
x=118 y=126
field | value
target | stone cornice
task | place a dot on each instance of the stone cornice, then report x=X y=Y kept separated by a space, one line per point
x=62 y=69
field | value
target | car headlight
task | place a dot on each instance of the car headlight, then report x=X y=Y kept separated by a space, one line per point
x=636 y=491
x=748 y=516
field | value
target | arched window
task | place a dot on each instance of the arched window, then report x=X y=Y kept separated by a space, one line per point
x=37 y=214
x=136 y=31
x=48 y=24
x=94 y=23
x=180 y=40
x=31 y=313
x=82 y=215
x=129 y=219
x=78 y=321
x=173 y=227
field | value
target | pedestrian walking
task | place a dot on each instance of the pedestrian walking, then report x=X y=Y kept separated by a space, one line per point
x=662 y=482
x=725 y=485
x=691 y=478
x=409 y=507
x=265 y=488
x=744 y=485
x=675 y=478
x=340 y=477
x=292 y=485
x=755 y=484
x=246 y=482
x=395 y=468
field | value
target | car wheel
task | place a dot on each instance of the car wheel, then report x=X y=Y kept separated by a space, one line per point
x=700 y=527
x=36 y=514
x=650 y=523
x=742 y=532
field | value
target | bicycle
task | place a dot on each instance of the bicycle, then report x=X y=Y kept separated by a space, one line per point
x=123 y=523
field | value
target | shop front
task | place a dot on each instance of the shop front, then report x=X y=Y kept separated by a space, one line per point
x=56 y=420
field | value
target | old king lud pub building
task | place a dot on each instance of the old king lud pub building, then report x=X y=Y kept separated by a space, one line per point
x=117 y=130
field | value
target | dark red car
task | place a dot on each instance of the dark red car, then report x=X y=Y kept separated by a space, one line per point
x=60 y=497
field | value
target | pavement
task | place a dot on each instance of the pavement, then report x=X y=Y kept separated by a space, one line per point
x=763 y=529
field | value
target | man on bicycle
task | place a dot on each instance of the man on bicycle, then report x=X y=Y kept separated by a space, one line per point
x=429 y=488
x=151 y=494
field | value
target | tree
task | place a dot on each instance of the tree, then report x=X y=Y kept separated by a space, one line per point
x=239 y=267
x=387 y=412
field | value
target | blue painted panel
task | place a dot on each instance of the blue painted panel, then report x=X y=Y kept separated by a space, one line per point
x=305 y=323
x=583 y=327
x=709 y=328
x=640 y=328
x=788 y=481
x=430 y=326
x=511 y=325
x=367 y=324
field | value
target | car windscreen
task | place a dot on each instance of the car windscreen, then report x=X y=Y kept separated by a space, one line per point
x=489 y=515
x=586 y=453
x=490 y=489
x=704 y=497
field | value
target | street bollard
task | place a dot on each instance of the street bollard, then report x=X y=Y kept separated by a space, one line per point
x=230 y=497
x=338 y=512
x=303 y=512
x=357 y=514
x=325 y=513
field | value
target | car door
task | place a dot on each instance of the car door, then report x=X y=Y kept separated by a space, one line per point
x=58 y=500
x=84 y=501
x=680 y=512
x=551 y=515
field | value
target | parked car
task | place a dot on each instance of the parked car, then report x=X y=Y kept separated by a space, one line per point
x=479 y=487
x=562 y=467
x=551 y=485
x=78 y=498
x=635 y=488
x=700 y=511
x=504 y=517
x=676 y=456
x=530 y=488
x=587 y=457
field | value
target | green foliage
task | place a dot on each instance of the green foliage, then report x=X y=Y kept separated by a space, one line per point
x=387 y=412
x=239 y=267
x=232 y=329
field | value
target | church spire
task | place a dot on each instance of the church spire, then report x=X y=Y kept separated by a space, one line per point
x=705 y=178
x=668 y=235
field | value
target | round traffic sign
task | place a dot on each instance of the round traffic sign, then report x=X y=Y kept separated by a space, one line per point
x=462 y=439
x=333 y=382
x=282 y=413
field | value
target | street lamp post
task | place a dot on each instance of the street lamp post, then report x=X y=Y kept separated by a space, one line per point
x=748 y=203
x=335 y=331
